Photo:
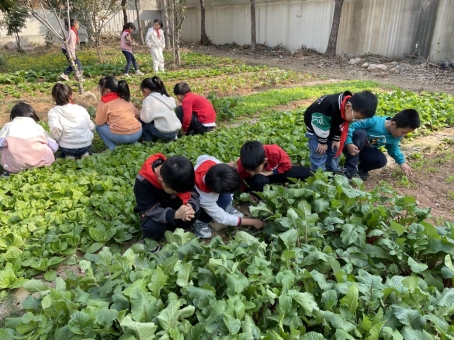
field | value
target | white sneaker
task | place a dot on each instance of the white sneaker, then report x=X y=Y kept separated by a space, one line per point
x=139 y=73
x=85 y=155
x=201 y=229
x=232 y=211
x=126 y=75
x=64 y=77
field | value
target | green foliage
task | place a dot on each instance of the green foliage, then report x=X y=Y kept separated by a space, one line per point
x=224 y=107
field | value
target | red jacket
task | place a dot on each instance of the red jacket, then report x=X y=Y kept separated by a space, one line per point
x=278 y=161
x=201 y=107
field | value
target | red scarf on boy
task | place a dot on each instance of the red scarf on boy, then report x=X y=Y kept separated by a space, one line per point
x=343 y=127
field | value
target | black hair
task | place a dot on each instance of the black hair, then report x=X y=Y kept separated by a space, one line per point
x=181 y=88
x=364 y=102
x=223 y=179
x=23 y=110
x=177 y=172
x=62 y=94
x=154 y=84
x=129 y=25
x=72 y=23
x=408 y=118
x=158 y=21
x=252 y=154
x=120 y=87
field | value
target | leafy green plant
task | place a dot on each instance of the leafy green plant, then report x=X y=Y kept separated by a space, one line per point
x=224 y=107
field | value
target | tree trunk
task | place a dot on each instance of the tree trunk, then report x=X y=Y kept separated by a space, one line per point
x=125 y=14
x=204 y=38
x=139 y=23
x=253 y=26
x=19 y=47
x=332 y=43
x=166 y=23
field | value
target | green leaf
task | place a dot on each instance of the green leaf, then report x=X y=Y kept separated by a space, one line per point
x=105 y=317
x=305 y=300
x=50 y=275
x=236 y=283
x=351 y=299
x=158 y=280
x=80 y=323
x=144 y=330
x=232 y=324
x=397 y=227
x=329 y=299
x=409 y=317
x=313 y=336
x=7 y=277
x=168 y=317
x=289 y=238
x=351 y=233
x=287 y=278
x=416 y=267
x=33 y=286
x=374 y=333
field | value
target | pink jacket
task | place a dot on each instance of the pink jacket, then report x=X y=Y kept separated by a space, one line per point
x=72 y=42
x=126 y=41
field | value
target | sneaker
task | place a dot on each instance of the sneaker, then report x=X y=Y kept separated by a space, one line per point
x=64 y=77
x=71 y=158
x=201 y=229
x=126 y=75
x=155 y=249
x=349 y=174
x=139 y=73
x=5 y=173
x=85 y=155
x=232 y=211
x=364 y=175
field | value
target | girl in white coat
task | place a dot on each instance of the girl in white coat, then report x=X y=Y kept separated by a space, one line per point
x=156 y=42
x=70 y=124
x=157 y=115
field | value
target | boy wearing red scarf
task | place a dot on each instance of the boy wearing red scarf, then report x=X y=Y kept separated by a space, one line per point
x=327 y=121
x=165 y=196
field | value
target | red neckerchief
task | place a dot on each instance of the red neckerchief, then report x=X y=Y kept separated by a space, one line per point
x=75 y=32
x=200 y=175
x=159 y=35
x=343 y=127
x=109 y=97
x=147 y=171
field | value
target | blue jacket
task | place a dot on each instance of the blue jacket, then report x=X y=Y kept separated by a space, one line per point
x=377 y=136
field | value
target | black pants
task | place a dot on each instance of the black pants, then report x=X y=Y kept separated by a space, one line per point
x=258 y=182
x=195 y=127
x=369 y=158
x=155 y=230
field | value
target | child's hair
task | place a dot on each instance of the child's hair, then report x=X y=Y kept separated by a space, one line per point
x=154 y=84
x=177 y=172
x=408 y=118
x=181 y=88
x=223 y=179
x=252 y=154
x=23 y=110
x=72 y=23
x=364 y=102
x=129 y=25
x=62 y=94
x=120 y=87
x=158 y=21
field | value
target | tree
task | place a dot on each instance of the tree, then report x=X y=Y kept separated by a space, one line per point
x=125 y=14
x=139 y=23
x=6 y=5
x=253 y=26
x=14 y=20
x=204 y=38
x=332 y=43
x=178 y=14
x=165 y=15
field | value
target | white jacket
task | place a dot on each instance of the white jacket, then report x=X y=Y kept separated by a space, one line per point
x=159 y=108
x=208 y=199
x=152 y=40
x=71 y=126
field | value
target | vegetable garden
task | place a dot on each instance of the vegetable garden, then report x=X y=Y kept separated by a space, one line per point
x=334 y=261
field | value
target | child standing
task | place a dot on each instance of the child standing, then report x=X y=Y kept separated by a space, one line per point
x=73 y=41
x=157 y=114
x=165 y=196
x=70 y=124
x=260 y=165
x=126 y=43
x=216 y=182
x=156 y=42
x=327 y=123
x=24 y=143
x=365 y=137
x=196 y=113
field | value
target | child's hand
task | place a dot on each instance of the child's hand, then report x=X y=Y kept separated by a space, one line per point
x=352 y=149
x=406 y=169
x=335 y=145
x=256 y=223
x=321 y=148
x=232 y=164
x=185 y=213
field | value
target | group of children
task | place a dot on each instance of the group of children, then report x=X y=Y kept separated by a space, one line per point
x=154 y=39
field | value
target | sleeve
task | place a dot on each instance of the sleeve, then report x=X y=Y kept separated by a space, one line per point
x=208 y=203
x=128 y=39
x=91 y=125
x=394 y=151
x=194 y=201
x=364 y=124
x=51 y=143
x=148 y=38
x=321 y=125
x=284 y=163
x=101 y=114
x=163 y=40
x=146 y=112
x=54 y=124
x=186 y=105
x=72 y=44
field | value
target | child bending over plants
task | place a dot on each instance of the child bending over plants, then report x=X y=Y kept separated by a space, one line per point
x=70 y=124
x=165 y=196
x=327 y=121
x=126 y=43
x=116 y=117
x=216 y=182
x=196 y=113
x=157 y=115
x=260 y=165
x=24 y=143
x=365 y=137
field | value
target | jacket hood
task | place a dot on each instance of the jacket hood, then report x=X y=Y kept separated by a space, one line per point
x=168 y=101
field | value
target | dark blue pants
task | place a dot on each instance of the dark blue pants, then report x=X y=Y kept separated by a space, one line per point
x=369 y=158
x=69 y=69
x=258 y=182
x=195 y=127
x=74 y=152
x=223 y=202
x=130 y=59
